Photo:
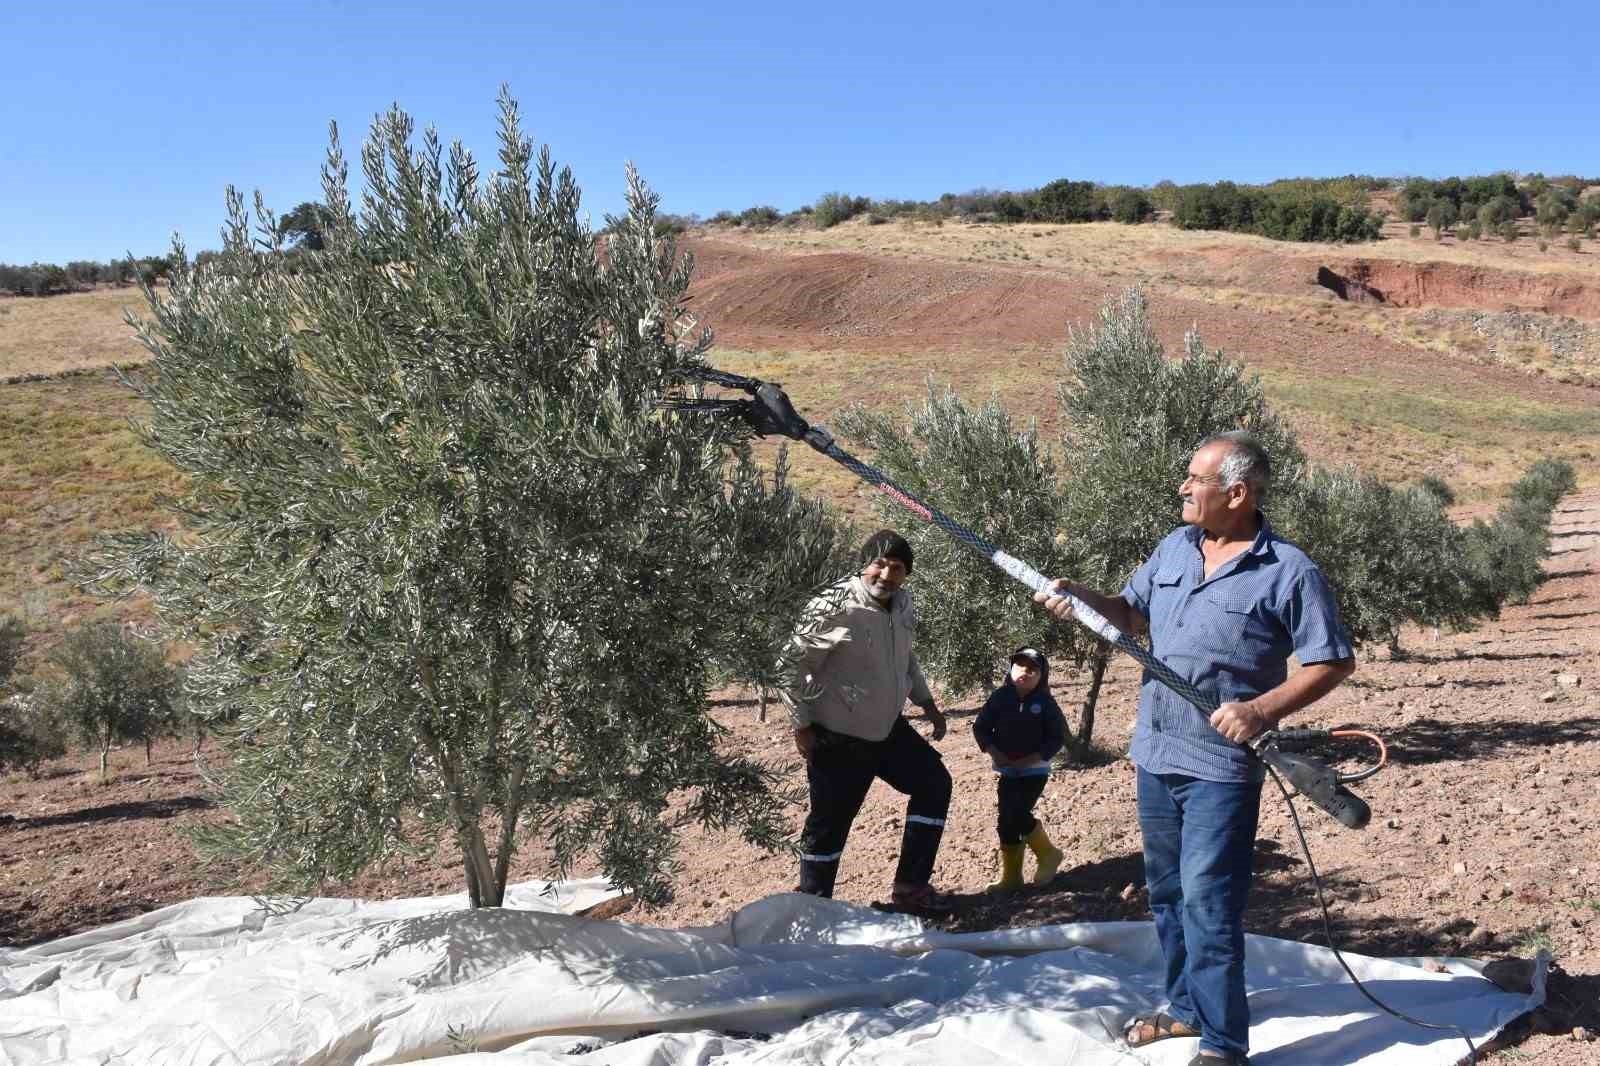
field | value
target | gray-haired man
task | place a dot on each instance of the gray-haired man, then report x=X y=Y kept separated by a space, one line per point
x=1226 y=602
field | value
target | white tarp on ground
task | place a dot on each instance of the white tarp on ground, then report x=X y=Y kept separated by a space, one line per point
x=789 y=979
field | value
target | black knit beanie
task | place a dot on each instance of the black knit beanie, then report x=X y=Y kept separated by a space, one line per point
x=886 y=544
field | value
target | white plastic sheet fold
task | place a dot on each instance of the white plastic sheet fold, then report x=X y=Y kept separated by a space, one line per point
x=788 y=980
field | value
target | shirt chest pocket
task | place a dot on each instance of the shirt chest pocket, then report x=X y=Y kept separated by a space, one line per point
x=1167 y=596
x=1238 y=625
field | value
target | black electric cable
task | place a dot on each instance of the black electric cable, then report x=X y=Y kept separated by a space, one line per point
x=1327 y=931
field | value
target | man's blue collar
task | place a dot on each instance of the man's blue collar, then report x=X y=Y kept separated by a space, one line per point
x=1262 y=545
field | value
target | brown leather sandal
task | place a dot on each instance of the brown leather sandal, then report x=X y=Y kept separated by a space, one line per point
x=1148 y=1028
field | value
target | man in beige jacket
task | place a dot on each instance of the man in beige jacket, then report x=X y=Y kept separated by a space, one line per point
x=851 y=671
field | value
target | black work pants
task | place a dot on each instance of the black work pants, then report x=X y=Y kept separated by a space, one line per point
x=840 y=772
x=1017 y=795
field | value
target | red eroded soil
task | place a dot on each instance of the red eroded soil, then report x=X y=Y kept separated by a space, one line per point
x=1480 y=288
x=1482 y=843
x=844 y=298
x=933 y=311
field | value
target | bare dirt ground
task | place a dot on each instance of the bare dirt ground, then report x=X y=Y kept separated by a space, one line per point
x=1482 y=843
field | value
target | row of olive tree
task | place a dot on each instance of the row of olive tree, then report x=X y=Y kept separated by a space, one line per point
x=1288 y=209
x=301 y=228
x=49 y=279
x=102 y=684
x=1285 y=212
x=1495 y=200
x=1094 y=508
x=449 y=567
x=1063 y=200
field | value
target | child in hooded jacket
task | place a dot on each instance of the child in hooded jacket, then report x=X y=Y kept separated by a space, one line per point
x=1020 y=728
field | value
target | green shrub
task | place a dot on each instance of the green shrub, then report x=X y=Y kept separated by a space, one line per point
x=1291 y=214
x=1554 y=207
x=759 y=217
x=13 y=637
x=1352 y=189
x=1164 y=194
x=29 y=733
x=120 y=272
x=1496 y=212
x=84 y=272
x=1064 y=200
x=1496 y=188
x=1131 y=206
x=1223 y=206
x=1508 y=232
x=1438 y=488
x=1574 y=244
x=1506 y=555
x=1462 y=232
x=888 y=209
x=671 y=225
x=836 y=207
x=1414 y=230
x=1415 y=199
x=1390 y=553
x=1441 y=216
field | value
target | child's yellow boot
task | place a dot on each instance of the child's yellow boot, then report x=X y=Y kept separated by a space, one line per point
x=1010 y=869
x=1048 y=854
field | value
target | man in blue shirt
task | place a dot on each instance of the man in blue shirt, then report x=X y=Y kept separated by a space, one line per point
x=1226 y=602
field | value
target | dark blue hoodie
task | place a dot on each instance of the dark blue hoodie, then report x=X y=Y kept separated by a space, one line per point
x=1031 y=729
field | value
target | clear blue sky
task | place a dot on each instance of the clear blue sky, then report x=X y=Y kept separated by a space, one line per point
x=120 y=123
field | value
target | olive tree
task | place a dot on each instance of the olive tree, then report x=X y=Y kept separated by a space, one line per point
x=451 y=570
x=1441 y=216
x=111 y=685
x=1391 y=553
x=1131 y=418
x=997 y=479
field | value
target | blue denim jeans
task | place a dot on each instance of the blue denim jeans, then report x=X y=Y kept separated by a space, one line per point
x=1199 y=843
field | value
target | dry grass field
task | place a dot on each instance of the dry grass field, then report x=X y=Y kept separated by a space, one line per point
x=73 y=469
x=1143 y=251
x=72 y=332
x=1475 y=436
